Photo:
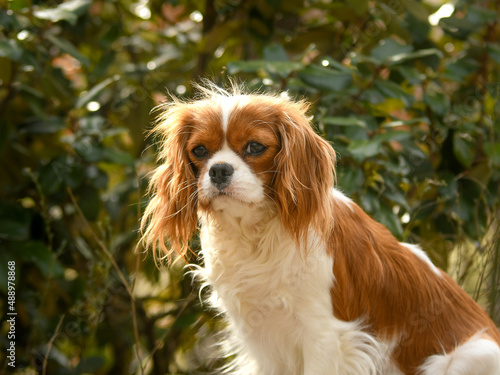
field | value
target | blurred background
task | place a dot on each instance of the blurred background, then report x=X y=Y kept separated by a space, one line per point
x=406 y=90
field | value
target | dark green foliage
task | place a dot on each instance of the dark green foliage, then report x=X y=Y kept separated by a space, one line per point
x=411 y=109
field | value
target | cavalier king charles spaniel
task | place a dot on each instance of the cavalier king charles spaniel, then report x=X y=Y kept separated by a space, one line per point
x=307 y=282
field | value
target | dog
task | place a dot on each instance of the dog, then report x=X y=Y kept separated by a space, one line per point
x=307 y=282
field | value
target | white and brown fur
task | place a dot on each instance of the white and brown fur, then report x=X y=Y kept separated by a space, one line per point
x=308 y=282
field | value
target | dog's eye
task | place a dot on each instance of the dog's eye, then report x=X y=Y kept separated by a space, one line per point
x=200 y=152
x=254 y=148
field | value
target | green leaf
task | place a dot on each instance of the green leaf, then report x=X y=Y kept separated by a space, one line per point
x=390 y=220
x=351 y=180
x=69 y=48
x=403 y=57
x=493 y=152
x=325 y=79
x=275 y=52
x=92 y=125
x=370 y=201
x=460 y=28
x=51 y=176
x=118 y=157
x=437 y=102
x=494 y=51
x=344 y=121
x=413 y=121
x=252 y=66
x=460 y=69
x=372 y=96
x=362 y=149
x=416 y=9
x=394 y=91
x=88 y=149
x=480 y=15
x=67 y=171
x=19 y=5
x=388 y=48
x=68 y=11
x=396 y=196
x=482 y=171
x=95 y=91
x=49 y=125
x=10 y=49
x=282 y=68
x=14 y=222
x=412 y=75
x=462 y=150
x=359 y=6
x=393 y=136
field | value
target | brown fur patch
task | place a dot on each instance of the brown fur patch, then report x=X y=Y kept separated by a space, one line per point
x=397 y=295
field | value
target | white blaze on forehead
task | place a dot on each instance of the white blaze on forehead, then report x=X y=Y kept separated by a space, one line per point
x=228 y=104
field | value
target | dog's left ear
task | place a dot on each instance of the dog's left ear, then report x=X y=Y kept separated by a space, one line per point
x=171 y=215
x=305 y=174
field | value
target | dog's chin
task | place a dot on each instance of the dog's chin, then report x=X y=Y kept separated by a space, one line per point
x=227 y=202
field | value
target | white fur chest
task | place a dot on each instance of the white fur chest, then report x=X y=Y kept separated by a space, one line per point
x=277 y=303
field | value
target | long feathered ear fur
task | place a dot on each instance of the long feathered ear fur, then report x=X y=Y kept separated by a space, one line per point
x=305 y=175
x=171 y=215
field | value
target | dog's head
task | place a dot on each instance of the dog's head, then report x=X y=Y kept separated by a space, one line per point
x=231 y=151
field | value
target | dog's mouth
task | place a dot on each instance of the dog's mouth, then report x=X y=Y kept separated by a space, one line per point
x=227 y=197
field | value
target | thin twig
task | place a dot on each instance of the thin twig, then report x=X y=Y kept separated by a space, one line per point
x=100 y=243
x=51 y=342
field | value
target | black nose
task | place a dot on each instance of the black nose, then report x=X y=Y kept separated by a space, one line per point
x=220 y=175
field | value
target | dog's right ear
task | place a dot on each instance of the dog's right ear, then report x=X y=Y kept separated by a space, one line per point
x=170 y=218
x=306 y=174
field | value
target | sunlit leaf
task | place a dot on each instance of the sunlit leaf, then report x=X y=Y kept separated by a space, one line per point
x=344 y=121
x=388 y=48
x=66 y=11
x=403 y=57
x=413 y=121
x=463 y=150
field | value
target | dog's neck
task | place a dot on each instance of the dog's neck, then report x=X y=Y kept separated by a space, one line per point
x=235 y=218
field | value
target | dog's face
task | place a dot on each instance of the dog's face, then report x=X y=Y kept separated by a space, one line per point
x=237 y=150
x=234 y=155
